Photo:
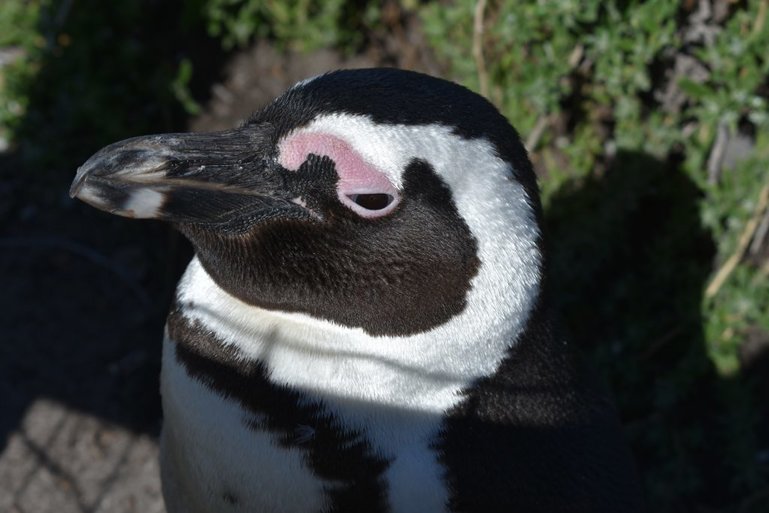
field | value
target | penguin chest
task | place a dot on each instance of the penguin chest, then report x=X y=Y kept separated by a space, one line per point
x=258 y=446
x=215 y=457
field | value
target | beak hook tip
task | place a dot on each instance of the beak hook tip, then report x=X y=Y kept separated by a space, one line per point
x=77 y=184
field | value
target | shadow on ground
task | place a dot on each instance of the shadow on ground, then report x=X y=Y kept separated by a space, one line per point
x=630 y=260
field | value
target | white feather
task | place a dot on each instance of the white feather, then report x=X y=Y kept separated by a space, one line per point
x=144 y=203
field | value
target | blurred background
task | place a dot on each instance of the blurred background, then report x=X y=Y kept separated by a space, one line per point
x=647 y=124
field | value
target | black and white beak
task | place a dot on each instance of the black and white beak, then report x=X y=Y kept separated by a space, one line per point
x=199 y=178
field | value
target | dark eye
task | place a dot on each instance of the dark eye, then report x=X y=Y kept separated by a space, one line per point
x=372 y=201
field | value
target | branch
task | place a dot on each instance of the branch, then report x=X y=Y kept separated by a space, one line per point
x=480 y=62
x=761 y=232
x=716 y=157
x=536 y=133
x=742 y=246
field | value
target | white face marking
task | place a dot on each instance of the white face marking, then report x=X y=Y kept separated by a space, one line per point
x=396 y=389
x=144 y=203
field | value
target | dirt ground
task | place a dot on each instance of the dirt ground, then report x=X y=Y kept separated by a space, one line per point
x=84 y=301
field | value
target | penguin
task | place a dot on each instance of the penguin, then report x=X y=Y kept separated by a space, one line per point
x=363 y=326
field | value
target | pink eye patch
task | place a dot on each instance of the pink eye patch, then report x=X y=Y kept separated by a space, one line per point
x=361 y=187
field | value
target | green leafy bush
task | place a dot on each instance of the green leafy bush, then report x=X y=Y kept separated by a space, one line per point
x=302 y=25
x=18 y=39
x=89 y=73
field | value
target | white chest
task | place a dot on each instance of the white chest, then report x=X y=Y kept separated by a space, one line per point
x=216 y=458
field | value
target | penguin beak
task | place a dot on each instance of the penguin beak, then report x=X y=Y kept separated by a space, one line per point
x=202 y=178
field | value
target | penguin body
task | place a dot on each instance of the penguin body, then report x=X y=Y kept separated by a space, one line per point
x=362 y=328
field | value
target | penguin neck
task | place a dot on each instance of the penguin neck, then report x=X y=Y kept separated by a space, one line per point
x=333 y=363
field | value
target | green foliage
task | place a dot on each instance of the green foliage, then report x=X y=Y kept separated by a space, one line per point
x=180 y=88
x=742 y=301
x=301 y=25
x=85 y=76
x=17 y=20
x=20 y=40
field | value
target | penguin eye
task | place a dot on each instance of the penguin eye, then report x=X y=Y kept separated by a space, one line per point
x=376 y=201
x=370 y=205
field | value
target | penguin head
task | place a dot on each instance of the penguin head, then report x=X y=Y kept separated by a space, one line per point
x=381 y=200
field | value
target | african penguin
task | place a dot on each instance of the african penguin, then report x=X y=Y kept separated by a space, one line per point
x=363 y=327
